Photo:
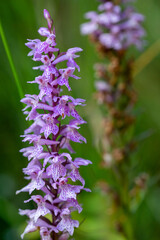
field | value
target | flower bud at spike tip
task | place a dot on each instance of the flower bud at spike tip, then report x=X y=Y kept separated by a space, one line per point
x=48 y=18
x=46 y=14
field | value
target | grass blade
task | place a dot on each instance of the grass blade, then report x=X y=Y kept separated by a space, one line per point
x=11 y=62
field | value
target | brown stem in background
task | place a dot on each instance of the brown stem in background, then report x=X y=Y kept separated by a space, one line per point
x=119 y=100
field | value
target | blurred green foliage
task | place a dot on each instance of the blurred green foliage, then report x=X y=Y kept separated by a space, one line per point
x=20 y=20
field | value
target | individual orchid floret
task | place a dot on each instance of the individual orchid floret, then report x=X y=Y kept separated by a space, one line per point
x=51 y=173
x=69 y=57
x=67 y=223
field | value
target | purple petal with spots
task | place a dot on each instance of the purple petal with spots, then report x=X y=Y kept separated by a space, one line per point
x=67 y=223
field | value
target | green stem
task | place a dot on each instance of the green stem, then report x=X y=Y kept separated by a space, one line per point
x=11 y=62
x=122 y=181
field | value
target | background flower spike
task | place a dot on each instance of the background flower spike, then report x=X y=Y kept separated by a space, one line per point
x=114 y=29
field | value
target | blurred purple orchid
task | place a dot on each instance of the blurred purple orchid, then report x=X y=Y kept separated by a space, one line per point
x=115 y=26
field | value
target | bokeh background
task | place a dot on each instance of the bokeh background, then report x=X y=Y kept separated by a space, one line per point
x=20 y=20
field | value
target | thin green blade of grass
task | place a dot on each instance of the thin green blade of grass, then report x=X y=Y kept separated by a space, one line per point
x=147 y=57
x=4 y=41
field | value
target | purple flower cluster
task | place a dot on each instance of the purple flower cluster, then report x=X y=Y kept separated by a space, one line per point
x=115 y=26
x=50 y=170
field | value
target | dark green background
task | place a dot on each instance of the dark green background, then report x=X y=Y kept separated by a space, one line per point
x=21 y=20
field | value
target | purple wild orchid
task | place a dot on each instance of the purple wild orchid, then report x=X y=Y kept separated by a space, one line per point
x=115 y=26
x=114 y=29
x=51 y=170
